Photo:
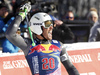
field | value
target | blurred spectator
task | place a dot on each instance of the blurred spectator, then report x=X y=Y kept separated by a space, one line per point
x=3 y=14
x=7 y=46
x=3 y=10
x=69 y=15
x=61 y=31
x=95 y=32
x=95 y=29
x=93 y=15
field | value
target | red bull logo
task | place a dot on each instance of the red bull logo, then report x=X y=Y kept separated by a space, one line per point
x=45 y=48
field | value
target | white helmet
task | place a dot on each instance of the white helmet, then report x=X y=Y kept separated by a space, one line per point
x=39 y=20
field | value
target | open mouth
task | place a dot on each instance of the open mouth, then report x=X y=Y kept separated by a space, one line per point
x=50 y=33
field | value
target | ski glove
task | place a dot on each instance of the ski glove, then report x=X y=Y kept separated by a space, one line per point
x=24 y=9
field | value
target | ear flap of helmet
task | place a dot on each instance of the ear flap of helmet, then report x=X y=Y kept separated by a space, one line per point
x=36 y=29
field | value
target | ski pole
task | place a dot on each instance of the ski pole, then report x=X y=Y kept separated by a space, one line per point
x=33 y=44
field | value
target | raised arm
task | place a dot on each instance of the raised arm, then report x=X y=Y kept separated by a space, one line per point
x=11 y=34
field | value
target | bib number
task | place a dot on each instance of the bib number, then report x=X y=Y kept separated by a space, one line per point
x=48 y=63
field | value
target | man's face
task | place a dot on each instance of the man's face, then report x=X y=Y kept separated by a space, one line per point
x=3 y=12
x=71 y=16
x=47 y=32
x=93 y=18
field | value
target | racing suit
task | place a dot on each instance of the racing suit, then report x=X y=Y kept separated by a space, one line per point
x=43 y=58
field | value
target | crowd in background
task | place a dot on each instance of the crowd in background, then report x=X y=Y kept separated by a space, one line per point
x=72 y=12
x=80 y=8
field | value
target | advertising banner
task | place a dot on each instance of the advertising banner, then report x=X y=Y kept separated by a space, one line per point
x=85 y=57
x=14 y=64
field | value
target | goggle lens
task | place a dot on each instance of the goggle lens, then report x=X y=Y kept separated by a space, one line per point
x=48 y=23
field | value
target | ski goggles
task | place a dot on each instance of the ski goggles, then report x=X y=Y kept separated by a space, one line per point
x=69 y=17
x=48 y=23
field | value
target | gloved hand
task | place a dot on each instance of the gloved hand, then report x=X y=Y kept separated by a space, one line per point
x=24 y=9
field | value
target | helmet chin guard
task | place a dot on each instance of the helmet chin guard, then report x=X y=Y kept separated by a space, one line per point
x=37 y=20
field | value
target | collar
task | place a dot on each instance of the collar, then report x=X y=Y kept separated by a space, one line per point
x=44 y=41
